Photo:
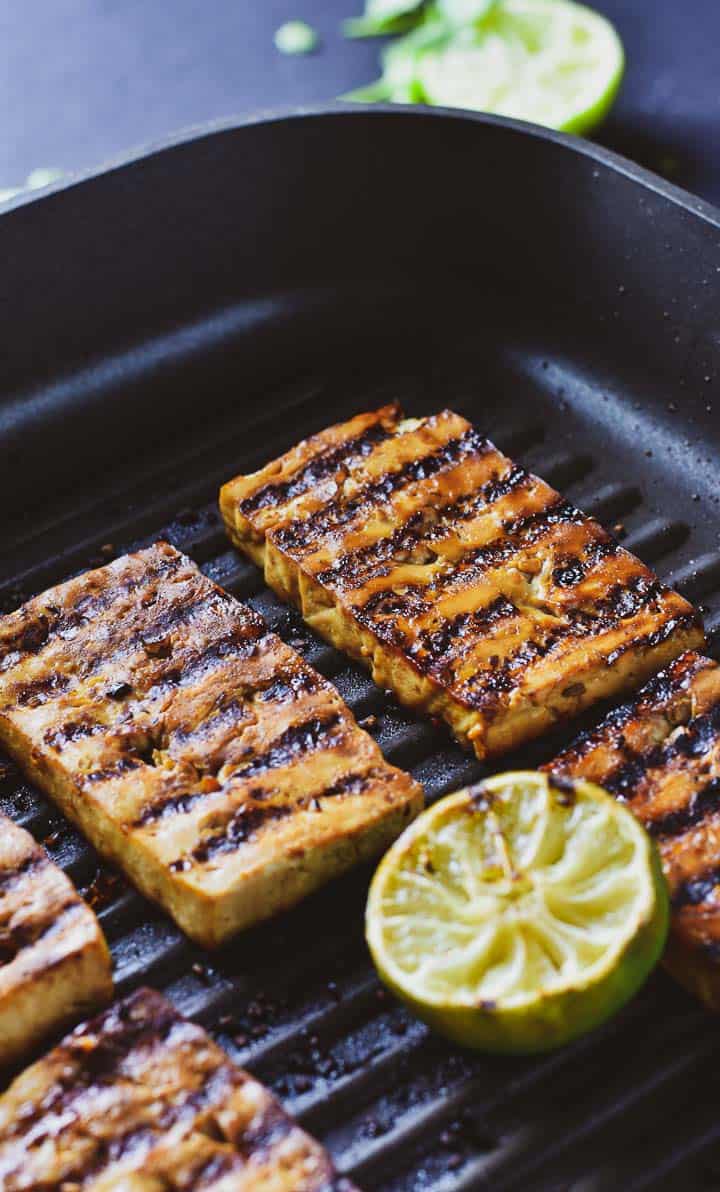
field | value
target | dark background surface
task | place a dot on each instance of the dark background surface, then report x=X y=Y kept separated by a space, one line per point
x=87 y=80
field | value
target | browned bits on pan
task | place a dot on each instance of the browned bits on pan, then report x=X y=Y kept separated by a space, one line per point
x=104 y=888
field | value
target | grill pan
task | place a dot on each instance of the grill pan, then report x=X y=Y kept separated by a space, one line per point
x=188 y=314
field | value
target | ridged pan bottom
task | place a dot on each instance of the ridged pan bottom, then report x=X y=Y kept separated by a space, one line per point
x=296 y=1001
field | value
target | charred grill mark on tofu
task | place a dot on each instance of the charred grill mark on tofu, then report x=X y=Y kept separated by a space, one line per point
x=134 y=1142
x=293 y=744
x=661 y=692
x=122 y=766
x=440 y=645
x=319 y=468
x=168 y=806
x=289 y=686
x=155 y=641
x=228 y=712
x=415 y=537
x=289 y=749
x=435 y=652
x=500 y=486
x=347 y=571
x=179 y=701
x=119 y=645
x=348 y=784
x=32 y=864
x=40 y=691
x=702 y=804
x=469 y=585
x=299 y=536
x=170 y=1108
x=701 y=890
x=16 y=937
x=242 y=825
x=524 y=531
x=42 y=622
x=196 y=665
x=73 y=730
x=688 y=623
x=660 y=753
x=693 y=740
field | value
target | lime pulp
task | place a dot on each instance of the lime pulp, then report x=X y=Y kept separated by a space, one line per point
x=515 y=916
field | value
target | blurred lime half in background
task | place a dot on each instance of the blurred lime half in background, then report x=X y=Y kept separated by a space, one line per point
x=552 y=62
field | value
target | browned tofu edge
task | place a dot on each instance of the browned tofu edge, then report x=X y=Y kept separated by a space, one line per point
x=64 y=973
x=692 y=965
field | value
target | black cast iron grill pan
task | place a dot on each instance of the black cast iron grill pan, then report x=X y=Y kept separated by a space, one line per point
x=189 y=314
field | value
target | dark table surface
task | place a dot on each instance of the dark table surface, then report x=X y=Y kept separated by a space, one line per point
x=87 y=80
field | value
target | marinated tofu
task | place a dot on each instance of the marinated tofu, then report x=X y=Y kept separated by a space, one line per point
x=54 y=962
x=660 y=754
x=141 y=1100
x=191 y=746
x=468 y=586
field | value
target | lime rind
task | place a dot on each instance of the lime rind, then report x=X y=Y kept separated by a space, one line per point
x=518 y=924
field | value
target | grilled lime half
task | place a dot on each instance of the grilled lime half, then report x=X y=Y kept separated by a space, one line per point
x=518 y=914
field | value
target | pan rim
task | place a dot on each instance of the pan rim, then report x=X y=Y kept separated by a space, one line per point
x=684 y=199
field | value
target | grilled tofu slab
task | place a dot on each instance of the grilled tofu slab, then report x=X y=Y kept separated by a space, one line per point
x=54 y=962
x=141 y=1100
x=192 y=747
x=466 y=584
x=660 y=754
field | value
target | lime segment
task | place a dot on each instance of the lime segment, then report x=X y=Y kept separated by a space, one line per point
x=515 y=916
x=554 y=62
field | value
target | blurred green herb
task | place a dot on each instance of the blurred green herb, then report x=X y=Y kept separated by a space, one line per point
x=427 y=25
x=400 y=16
x=385 y=16
x=398 y=81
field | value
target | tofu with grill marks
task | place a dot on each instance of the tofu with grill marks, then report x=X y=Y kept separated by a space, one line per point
x=466 y=584
x=141 y=1100
x=54 y=962
x=190 y=745
x=660 y=754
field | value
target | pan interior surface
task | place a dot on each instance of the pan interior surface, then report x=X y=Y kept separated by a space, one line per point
x=189 y=315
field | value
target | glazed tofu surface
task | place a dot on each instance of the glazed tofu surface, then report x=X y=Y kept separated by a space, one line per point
x=141 y=1100
x=54 y=962
x=466 y=584
x=660 y=753
x=191 y=746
